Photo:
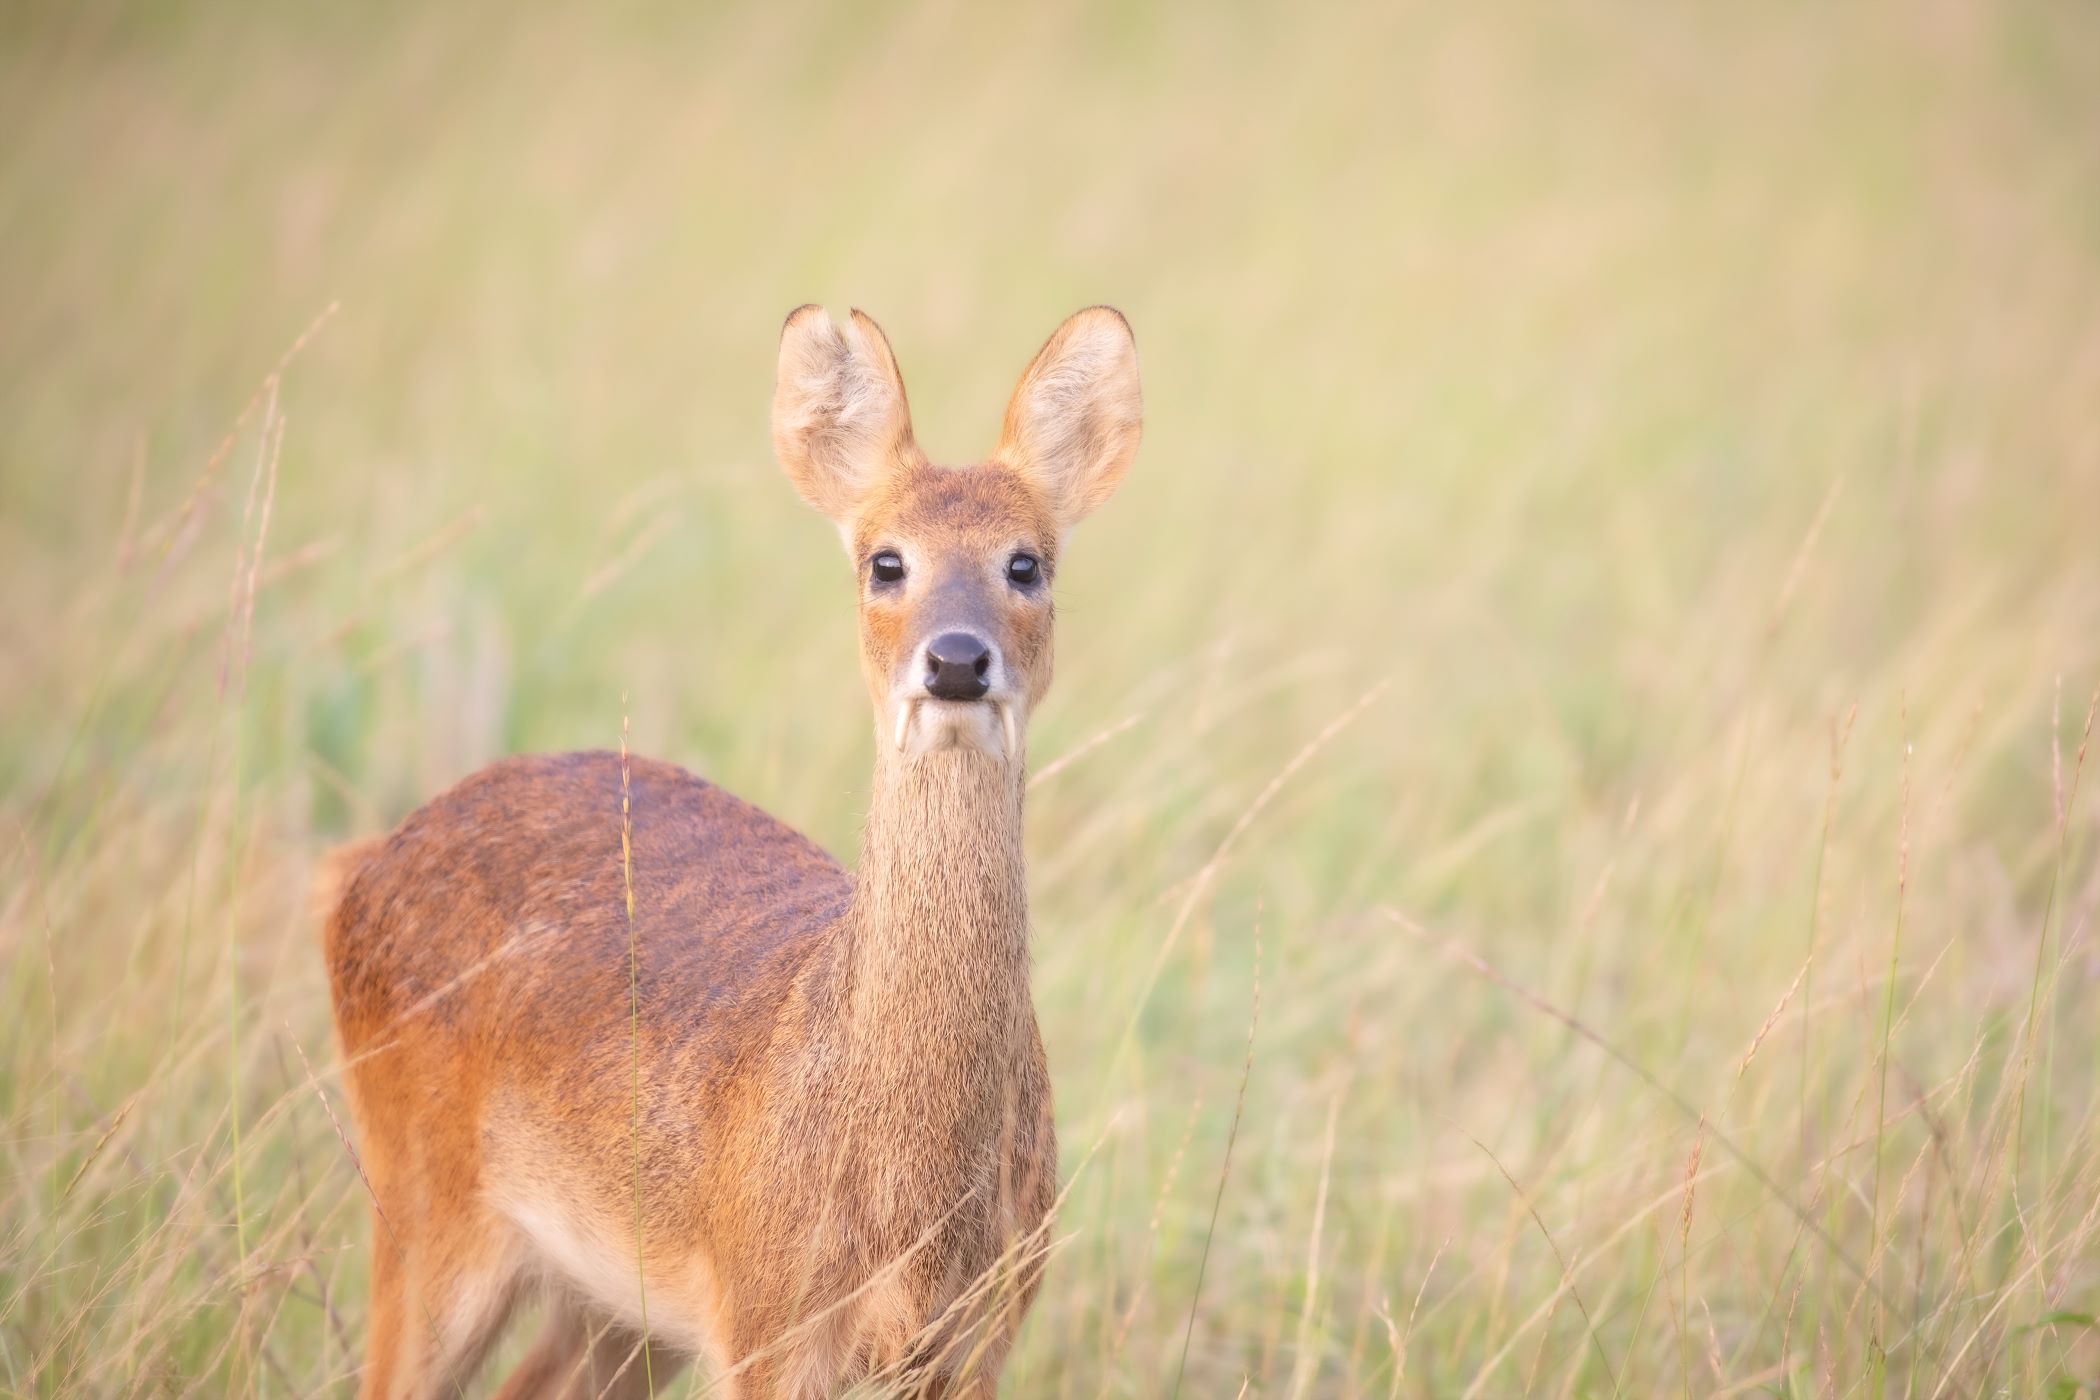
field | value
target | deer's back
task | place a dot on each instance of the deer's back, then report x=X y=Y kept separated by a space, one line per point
x=496 y=917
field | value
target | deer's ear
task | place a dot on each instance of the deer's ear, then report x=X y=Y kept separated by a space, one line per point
x=840 y=421
x=1077 y=414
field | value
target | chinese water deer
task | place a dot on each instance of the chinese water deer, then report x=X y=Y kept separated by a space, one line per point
x=722 y=1093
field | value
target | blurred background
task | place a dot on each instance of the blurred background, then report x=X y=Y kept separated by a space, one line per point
x=1617 y=509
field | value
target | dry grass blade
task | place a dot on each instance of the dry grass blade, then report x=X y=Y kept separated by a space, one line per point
x=1232 y=1133
x=1086 y=746
x=1403 y=1337
x=2041 y=942
x=1771 y=1020
x=1159 y=1204
x=1199 y=886
x=95 y=1153
x=1306 y=1363
x=634 y=1010
x=1567 y=1275
x=1684 y=1106
x=267 y=389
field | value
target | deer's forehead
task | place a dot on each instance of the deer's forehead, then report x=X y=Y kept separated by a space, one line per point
x=939 y=508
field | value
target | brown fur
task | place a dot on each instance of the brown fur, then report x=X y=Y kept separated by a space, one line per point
x=823 y=1099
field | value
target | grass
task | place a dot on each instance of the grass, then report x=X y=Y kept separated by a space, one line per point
x=1677 y=421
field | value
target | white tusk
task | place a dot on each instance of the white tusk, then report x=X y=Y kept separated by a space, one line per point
x=904 y=710
x=1013 y=741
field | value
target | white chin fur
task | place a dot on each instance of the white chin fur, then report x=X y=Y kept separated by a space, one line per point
x=919 y=726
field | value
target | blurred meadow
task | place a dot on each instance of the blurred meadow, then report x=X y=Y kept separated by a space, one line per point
x=1598 y=645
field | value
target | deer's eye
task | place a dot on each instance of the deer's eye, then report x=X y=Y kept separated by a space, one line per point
x=1024 y=569
x=886 y=567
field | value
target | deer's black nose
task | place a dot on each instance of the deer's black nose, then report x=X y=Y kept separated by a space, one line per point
x=956 y=663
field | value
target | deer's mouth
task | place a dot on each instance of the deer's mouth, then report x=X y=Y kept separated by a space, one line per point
x=921 y=724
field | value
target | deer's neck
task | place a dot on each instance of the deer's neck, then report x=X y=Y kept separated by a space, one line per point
x=939 y=937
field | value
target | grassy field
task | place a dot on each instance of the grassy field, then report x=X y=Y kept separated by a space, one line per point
x=1599 y=644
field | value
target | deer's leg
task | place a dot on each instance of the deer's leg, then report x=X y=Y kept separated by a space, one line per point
x=622 y=1370
x=438 y=1306
x=383 y=1317
x=579 y=1358
x=555 y=1359
x=786 y=1373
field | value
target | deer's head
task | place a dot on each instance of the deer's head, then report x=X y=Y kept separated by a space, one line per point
x=955 y=563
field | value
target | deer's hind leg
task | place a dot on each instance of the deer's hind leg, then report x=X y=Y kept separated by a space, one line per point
x=446 y=1270
x=581 y=1355
x=439 y=1304
x=383 y=1316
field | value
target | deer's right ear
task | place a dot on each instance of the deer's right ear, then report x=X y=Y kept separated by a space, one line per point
x=840 y=421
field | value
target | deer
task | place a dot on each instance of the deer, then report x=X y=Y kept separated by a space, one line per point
x=620 y=1041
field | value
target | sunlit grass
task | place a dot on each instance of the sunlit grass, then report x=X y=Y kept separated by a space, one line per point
x=1609 y=596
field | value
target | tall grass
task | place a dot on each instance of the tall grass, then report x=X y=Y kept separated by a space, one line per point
x=1679 y=976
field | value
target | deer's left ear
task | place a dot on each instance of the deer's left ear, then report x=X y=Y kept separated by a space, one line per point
x=1077 y=414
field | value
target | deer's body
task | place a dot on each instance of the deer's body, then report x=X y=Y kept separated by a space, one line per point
x=791 y=1120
